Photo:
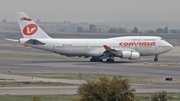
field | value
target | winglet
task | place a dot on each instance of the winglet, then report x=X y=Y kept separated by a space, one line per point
x=106 y=47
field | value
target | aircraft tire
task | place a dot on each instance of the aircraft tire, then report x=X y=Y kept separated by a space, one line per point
x=100 y=60
x=96 y=59
x=107 y=60
x=110 y=60
x=92 y=60
x=155 y=59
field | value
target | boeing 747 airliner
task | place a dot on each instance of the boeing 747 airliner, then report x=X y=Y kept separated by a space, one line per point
x=127 y=47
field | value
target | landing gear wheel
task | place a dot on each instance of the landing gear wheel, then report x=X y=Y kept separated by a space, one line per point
x=156 y=58
x=92 y=60
x=96 y=59
x=100 y=60
x=110 y=60
x=107 y=60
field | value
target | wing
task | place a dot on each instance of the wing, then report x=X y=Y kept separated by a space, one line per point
x=109 y=52
x=124 y=53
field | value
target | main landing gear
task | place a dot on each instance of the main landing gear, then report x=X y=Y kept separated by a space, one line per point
x=96 y=59
x=156 y=58
x=110 y=60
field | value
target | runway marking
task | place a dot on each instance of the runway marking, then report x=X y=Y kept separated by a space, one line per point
x=162 y=64
x=9 y=67
x=168 y=64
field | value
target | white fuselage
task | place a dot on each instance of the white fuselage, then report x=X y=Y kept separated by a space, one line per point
x=145 y=45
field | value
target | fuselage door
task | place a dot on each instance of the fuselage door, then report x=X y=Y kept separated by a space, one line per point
x=156 y=46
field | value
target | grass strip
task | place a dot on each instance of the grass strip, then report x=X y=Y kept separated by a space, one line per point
x=32 y=84
x=59 y=97
x=91 y=76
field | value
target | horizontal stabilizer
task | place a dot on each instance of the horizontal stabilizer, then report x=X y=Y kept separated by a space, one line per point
x=14 y=40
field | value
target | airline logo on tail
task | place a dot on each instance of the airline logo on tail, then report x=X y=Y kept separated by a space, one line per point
x=30 y=29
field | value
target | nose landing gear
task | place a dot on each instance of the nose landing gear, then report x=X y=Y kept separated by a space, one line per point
x=156 y=58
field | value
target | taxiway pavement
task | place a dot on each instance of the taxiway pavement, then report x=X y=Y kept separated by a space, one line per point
x=124 y=67
x=140 y=88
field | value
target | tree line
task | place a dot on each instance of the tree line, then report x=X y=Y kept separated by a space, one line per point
x=94 y=29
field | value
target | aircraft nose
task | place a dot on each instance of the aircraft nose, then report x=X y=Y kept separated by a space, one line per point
x=170 y=46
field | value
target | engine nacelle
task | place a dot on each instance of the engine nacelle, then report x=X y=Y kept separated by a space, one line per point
x=135 y=56
x=130 y=55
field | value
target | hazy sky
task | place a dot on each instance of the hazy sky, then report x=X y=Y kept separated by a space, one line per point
x=92 y=10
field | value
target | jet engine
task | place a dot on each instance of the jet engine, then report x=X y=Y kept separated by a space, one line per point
x=129 y=55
